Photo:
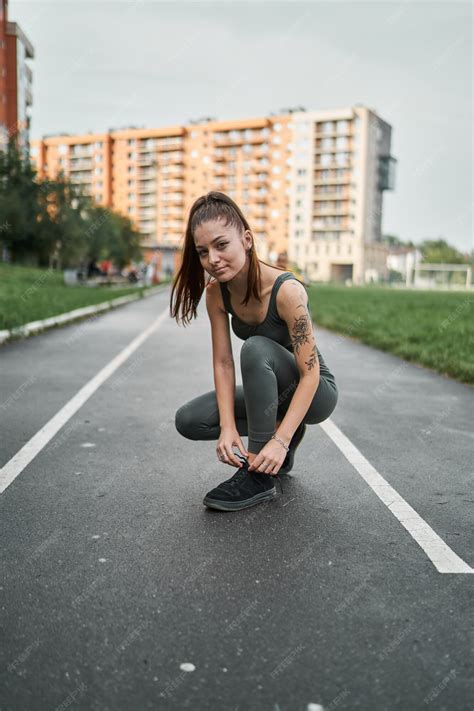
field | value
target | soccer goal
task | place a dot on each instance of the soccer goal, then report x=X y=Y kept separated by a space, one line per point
x=439 y=276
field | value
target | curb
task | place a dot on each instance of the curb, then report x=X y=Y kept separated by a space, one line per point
x=33 y=327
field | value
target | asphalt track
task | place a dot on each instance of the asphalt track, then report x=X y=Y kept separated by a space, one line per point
x=120 y=590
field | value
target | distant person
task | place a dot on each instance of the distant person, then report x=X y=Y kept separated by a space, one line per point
x=286 y=383
x=93 y=269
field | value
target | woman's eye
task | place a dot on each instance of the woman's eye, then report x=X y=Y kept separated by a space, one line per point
x=222 y=244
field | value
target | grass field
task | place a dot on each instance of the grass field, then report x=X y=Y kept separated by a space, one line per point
x=29 y=294
x=435 y=329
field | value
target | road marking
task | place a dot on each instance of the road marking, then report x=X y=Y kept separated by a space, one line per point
x=443 y=558
x=28 y=452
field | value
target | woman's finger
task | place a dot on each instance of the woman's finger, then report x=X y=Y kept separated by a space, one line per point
x=243 y=449
x=232 y=458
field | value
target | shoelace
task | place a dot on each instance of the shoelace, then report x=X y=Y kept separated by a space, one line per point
x=244 y=459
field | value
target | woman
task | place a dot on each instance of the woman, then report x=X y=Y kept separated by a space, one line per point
x=285 y=383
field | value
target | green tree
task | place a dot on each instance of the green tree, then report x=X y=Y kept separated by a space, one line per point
x=440 y=252
x=18 y=194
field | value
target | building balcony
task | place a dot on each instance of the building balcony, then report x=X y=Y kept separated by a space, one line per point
x=328 y=212
x=78 y=152
x=148 y=187
x=227 y=141
x=333 y=181
x=144 y=202
x=333 y=149
x=331 y=196
x=331 y=228
x=146 y=161
x=173 y=169
x=170 y=159
x=79 y=179
x=348 y=165
x=335 y=134
x=172 y=146
x=146 y=147
x=78 y=165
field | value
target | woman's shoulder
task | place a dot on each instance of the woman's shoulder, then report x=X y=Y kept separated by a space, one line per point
x=290 y=288
x=214 y=294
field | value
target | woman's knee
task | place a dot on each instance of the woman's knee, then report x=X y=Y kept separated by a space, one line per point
x=184 y=422
x=253 y=349
x=323 y=405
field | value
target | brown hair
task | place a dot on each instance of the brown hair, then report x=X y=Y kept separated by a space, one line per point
x=189 y=282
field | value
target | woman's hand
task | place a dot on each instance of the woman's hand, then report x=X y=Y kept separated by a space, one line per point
x=229 y=438
x=270 y=458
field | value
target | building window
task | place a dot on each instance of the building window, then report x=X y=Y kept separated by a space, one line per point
x=342 y=126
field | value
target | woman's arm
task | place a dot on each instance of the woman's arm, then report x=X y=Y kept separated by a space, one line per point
x=222 y=357
x=224 y=381
x=292 y=306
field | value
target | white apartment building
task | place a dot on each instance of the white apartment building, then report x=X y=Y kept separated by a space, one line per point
x=340 y=166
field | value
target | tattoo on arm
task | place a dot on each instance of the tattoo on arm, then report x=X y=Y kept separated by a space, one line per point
x=312 y=359
x=301 y=329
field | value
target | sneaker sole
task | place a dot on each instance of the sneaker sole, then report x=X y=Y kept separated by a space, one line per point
x=237 y=505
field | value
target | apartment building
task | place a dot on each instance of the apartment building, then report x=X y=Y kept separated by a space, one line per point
x=309 y=183
x=16 y=79
x=341 y=166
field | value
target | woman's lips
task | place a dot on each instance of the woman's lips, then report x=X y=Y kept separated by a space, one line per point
x=219 y=271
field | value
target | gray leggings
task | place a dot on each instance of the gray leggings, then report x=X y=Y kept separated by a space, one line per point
x=269 y=376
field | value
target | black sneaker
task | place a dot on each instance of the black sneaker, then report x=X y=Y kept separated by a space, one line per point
x=287 y=465
x=242 y=490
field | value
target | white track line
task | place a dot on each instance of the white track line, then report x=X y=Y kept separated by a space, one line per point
x=23 y=457
x=440 y=554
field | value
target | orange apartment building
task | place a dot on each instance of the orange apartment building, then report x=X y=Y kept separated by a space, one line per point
x=309 y=182
x=16 y=79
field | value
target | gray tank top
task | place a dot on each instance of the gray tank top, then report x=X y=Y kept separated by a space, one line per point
x=273 y=326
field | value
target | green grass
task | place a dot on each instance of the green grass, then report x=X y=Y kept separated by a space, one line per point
x=29 y=294
x=434 y=329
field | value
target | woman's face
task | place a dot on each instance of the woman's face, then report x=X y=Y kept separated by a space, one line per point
x=222 y=249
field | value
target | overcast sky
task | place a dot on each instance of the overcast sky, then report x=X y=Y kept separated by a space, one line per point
x=110 y=64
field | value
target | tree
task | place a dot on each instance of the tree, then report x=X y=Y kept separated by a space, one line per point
x=440 y=252
x=18 y=194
